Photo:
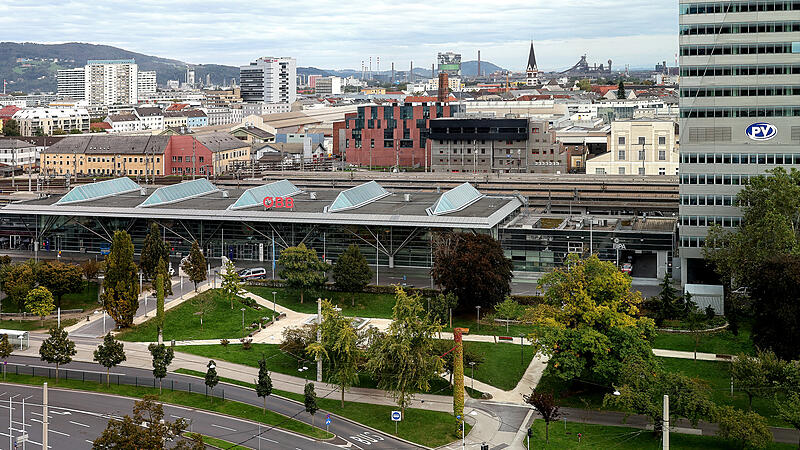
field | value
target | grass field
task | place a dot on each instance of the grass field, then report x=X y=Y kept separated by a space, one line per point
x=366 y=305
x=216 y=443
x=722 y=342
x=86 y=300
x=181 y=322
x=31 y=325
x=622 y=438
x=191 y=400
x=429 y=428
x=503 y=366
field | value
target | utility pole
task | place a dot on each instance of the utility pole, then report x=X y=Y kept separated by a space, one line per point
x=665 y=424
x=319 y=338
x=45 y=420
x=194 y=159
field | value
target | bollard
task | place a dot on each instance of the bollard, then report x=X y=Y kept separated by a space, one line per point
x=87 y=318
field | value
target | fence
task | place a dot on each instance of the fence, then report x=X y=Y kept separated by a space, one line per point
x=197 y=387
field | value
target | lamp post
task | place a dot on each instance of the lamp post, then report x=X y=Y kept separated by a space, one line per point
x=478 y=307
x=522 y=350
x=273 y=306
x=472 y=365
x=243 y=310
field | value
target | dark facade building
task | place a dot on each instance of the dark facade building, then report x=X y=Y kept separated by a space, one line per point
x=495 y=145
x=389 y=134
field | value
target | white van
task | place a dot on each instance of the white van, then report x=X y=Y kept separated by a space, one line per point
x=254 y=273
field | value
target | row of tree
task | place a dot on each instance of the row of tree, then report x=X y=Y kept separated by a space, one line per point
x=18 y=279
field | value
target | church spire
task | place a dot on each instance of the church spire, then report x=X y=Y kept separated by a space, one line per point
x=532 y=60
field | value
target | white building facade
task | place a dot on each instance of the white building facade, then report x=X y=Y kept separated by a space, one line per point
x=145 y=83
x=269 y=80
x=72 y=83
x=638 y=147
x=112 y=82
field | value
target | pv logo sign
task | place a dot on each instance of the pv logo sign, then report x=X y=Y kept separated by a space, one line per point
x=761 y=131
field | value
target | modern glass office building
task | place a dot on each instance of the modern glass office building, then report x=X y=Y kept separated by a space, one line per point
x=740 y=110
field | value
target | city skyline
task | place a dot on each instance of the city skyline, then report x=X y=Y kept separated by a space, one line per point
x=322 y=34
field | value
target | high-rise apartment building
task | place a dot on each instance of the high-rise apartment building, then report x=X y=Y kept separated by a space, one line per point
x=111 y=82
x=72 y=83
x=269 y=80
x=146 y=83
x=739 y=106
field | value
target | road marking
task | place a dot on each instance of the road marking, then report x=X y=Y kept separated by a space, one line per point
x=78 y=423
x=224 y=428
x=49 y=446
x=268 y=440
x=57 y=432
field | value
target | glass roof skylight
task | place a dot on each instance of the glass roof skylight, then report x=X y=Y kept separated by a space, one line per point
x=358 y=196
x=181 y=191
x=101 y=189
x=455 y=199
x=255 y=196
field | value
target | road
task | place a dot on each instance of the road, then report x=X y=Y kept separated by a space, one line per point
x=357 y=435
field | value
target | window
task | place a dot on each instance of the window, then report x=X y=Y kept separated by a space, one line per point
x=621 y=140
x=621 y=155
x=622 y=171
x=662 y=140
x=641 y=155
x=662 y=171
x=202 y=158
x=641 y=140
x=662 y=155
x=600 y=171
x=641 y=170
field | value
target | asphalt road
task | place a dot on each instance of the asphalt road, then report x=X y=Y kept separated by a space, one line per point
x=349 y=433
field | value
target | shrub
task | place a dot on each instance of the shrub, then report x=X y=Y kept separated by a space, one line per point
x=224 y=342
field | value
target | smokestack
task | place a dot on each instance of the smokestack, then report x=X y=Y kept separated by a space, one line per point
x=392 y=73
x=479 y=63
x=433 y=70
x=411 y=72
x=444 y=88
x=370 y=67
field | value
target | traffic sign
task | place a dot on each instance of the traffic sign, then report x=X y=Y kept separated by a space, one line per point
x=22 y=438
x=397 y=416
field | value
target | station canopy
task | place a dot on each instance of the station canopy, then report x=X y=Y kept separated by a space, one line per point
x=178 y=192
x=455 y=199
x=255 y=196
x=358 y=196
x=101 y=189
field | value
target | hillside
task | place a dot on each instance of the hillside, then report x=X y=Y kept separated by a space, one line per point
x=31 y=67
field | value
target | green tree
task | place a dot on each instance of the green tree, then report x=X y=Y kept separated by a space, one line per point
x=585 y=85
x=110 y=353
x=212 y=379
x=195 y=265
x=351 y=273
x=508 y=310
x=302 y=269
x=39 y=301
x=10 y=127
x=75 y=131
x=57 y=349
x=621 y=95
x=339 y=346
x=590 y=321
x=310 y=401
x=403 y=360
x=441 y=305
x=18 y=280
x=545 y=404
x=472 y=266
x=160 y=306
x=668 y=304
x=775 y=299
x=747 y=429
x=755 y=374
x=470 y=355
x=231 y=282
x=264 y=381
x=162 y=358
x=90 y=269
x=39 y=132
x=6 y=349
x=162 y=269
x=146 y=429
x=789 y=410
x=120 y=287
x=153 y=250
x=60 y=278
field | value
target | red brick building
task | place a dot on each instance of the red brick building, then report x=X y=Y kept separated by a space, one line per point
x=178 y=156
x=378 y=136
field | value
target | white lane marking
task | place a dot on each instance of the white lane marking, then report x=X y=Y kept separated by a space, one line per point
x=50 y=430
x=224 y=428
x=78 y=423
x=40 y=444
x=268 y=440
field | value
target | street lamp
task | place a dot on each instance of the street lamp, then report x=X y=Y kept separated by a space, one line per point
x=472 y=365
x=522 y=349
x=273 y=306
x=478 y=307
x=243 y=310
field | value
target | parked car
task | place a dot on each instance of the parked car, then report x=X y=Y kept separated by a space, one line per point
x=627 y=268
x=253 y=273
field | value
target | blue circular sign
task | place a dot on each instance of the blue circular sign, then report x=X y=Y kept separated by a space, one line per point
x=396 y=415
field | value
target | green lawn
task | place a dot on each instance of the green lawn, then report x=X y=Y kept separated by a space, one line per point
x=192 y=400
x=366 y=305
x=31 y=325
x=503 y=365
x=429 y=428
x=181 y=322
x=493 y=329
x=721 y=342
x=603 y=437
x=217 y=443
x=718 y=377
x=572 y=394
x=86 y=300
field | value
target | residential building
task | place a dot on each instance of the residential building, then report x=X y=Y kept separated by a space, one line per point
x=48 y=120
x=327 y=86
x=196 y=118
x=739 y=111
x=72 y=83
x=253 y=135
x=15 y=152
x=146 y=83
x=175 y=119
x=269 y=80
x=225 y=149
x=388 y=134
x=581 y=143
x=521 y=145
x=638 y=147
x=261 y=109
x=123 y=122
x=111 y=82
x=152 y=118
x=7 y=112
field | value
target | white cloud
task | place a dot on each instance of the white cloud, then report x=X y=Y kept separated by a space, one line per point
x=328 y=33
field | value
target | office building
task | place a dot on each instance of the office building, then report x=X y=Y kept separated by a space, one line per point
x=739 y=110
x=269 y=80
x=450 y=63
x=326 y=86
x=111 y=82
x=638 y=147
x=72 y=83
x=146 y=83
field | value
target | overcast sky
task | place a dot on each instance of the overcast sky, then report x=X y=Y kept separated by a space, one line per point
x=340 y=34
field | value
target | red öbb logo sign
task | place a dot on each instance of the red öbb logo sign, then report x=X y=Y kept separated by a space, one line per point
x=278 y=202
